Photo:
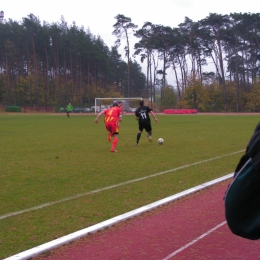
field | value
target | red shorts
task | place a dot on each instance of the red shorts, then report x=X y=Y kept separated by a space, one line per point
x=112 y=127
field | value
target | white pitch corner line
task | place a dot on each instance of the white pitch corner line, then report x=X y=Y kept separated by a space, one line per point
x=92 y=229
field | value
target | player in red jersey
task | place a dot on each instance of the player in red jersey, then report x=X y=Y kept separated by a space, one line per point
x=112 y=118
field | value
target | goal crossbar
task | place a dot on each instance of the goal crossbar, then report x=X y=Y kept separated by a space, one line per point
x=122 y=99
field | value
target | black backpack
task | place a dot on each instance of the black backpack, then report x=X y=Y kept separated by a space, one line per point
x=242 y=198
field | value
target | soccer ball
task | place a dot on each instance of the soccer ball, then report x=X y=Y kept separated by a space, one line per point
x=160 y=141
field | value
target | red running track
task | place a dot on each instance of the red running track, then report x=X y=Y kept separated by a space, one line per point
x=193 y=227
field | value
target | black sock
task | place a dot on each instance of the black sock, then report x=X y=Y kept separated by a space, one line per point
x=138 y=137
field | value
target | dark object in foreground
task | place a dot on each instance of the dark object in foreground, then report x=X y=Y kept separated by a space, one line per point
x=242 y=199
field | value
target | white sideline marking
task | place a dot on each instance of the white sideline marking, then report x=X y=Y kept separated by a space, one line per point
x=92 y=229
x=111 y=187
x=194 y=241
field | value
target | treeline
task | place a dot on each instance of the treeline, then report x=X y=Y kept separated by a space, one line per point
x=229 y=43
x=53 y=64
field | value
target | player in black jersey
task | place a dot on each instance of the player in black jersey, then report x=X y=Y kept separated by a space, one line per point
x=142 y=115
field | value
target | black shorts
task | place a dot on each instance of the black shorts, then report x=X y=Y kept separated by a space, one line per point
x=145 y=125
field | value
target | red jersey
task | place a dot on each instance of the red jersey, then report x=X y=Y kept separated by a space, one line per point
x=112 y=114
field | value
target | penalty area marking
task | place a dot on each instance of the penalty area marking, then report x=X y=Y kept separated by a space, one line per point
x=110 y=222
x=194 y=241
x=112 y=186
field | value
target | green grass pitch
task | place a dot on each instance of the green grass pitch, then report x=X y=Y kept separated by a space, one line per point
x=57 y=173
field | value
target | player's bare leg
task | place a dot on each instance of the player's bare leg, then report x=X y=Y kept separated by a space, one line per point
x=149 y=136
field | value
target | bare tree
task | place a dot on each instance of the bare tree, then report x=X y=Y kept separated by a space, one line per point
x=122 y=27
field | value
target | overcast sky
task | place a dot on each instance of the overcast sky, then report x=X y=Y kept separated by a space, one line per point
x=98 y=15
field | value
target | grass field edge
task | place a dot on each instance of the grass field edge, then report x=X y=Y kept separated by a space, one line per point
x=33 y=252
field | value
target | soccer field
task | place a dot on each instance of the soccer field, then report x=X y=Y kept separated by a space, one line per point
x=58 y=175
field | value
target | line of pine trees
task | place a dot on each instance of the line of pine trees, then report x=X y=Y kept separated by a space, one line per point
x=53 y=64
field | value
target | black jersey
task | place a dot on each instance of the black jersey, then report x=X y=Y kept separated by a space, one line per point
x=143 y=113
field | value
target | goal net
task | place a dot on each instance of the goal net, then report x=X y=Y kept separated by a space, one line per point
x=129 y=104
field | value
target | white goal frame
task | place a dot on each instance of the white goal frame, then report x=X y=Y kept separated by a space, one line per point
x=121 y=99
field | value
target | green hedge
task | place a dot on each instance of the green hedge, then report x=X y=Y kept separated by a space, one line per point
x=12 y=109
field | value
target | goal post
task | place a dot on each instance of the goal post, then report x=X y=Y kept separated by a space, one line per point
x=128 y=103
